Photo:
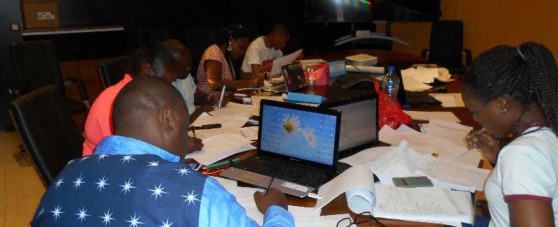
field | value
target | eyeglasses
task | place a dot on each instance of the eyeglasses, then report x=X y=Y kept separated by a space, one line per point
x=359 y=218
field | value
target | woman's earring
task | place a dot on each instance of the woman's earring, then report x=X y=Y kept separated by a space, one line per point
x=229 y=48
x=503 y=110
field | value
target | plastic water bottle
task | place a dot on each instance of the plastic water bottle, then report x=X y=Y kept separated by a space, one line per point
x=390 y=83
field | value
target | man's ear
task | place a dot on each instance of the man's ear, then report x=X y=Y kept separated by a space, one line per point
x=167 y=119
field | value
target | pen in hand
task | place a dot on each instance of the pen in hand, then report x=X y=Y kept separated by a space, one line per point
x=269 y=185
x=193 y=131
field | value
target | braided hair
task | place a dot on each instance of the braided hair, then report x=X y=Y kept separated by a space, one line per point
x=233 y=31
x=527 y=73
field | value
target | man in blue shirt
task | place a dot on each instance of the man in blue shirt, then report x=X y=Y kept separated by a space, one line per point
x=136 y=177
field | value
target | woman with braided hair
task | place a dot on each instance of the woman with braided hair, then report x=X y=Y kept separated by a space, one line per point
x=513 y=92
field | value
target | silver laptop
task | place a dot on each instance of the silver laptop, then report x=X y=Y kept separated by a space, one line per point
x=297 y=149
x=359 y=123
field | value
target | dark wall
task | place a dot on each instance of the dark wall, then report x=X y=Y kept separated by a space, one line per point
x=9 y=13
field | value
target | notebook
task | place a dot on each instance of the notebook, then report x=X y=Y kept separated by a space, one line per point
x=297 y=149
x=359 y=123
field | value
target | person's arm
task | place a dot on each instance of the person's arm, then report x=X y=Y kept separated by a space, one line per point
x=259 y=70
x=220 y=208
x=488 y=144
x=213 y=70
x=525 y=212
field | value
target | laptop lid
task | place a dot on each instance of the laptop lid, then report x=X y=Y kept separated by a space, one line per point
x=294 y=76
x=359 y=123
x=303 y=134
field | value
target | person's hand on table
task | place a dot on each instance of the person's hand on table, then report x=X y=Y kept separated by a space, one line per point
x=194 y=144
x=269 y=198
x=486 y=142
x=215 y=100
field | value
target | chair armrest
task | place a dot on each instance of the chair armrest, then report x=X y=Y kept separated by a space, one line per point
x=468 y=58
x=424 y=53
x=81 y=87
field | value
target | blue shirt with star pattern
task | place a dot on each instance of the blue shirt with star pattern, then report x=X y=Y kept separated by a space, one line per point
x=129 y=182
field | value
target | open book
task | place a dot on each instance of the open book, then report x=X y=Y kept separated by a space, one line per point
x=429 y=204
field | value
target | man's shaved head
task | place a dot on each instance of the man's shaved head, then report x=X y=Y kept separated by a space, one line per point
x=150 y=109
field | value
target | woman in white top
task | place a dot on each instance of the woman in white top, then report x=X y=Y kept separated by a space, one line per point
x=513 y=92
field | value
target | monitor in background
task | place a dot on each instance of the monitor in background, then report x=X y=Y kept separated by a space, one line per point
x=359 y=123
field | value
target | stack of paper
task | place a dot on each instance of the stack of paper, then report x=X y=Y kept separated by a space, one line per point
x=219 y=147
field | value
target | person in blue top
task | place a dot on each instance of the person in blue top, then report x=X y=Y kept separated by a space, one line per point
x=136 y=177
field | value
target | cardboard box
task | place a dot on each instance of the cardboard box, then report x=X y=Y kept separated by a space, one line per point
x=40 y=14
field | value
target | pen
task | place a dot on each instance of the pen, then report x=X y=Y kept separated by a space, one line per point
x=269 y=185
x=222 y=94
x=480 y=132
x=229 y=162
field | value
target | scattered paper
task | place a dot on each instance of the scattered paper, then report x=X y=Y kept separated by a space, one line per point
x=257 y=99
x=206 y=133
x=427 y=115
x=451 y=131
x=250 y=133
x=219 y=147
x=234 y=109
x=226 y=121
x=453 y=172
x=280 y=62
x=305 y=216
x=449 y=99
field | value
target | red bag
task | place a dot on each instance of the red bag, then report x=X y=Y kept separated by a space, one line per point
x=319 y=73
x=390 y=111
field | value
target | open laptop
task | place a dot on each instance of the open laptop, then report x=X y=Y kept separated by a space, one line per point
x=297 y=149
x=359 y=123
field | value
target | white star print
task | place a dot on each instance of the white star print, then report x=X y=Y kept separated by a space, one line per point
x=101 y=157
x=153 y=163
x=56 y=212
x=58 y=182
x=183 y=171
x=191 y=198
x=127 y=186
x=83 y=159
x=157 y=191
x=82 y=214
x=134 y=221
x=107 y=217
x=102 y=183
x=70 y=162
x=78 y=182
x=166 y=223
x=127 y=158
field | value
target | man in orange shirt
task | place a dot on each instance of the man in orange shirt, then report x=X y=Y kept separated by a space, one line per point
x=150 y=60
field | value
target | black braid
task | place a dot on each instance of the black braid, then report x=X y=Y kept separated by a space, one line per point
x=528 y=77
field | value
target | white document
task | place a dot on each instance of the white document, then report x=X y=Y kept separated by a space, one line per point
x=250 y=133
x=434 y=205
x=305 y=216
x=427 y=115
x=332 y=220
x=257 y=99
x=423 y=143
x=206 y=133
x=234 y=109
x=449 y=99
x=280 y=62
x=219 y=147
x=226 y=121
x=412 y=82
x=453 y=172
x=451 y=131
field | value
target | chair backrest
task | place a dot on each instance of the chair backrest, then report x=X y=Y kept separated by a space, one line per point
x=35 y=65
x=47 y=130
x=446 y=41
x=113 y=71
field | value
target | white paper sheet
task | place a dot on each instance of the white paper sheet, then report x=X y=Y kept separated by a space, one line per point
x=226 y=121
x=234 y=109
x=257 y=99
x=427 y=115
x=245 y=197
x=219 y=147
x=449 y=99
x=453 y=172
x=250 y=133
x=332 y=220
x=280 y=62
x=451 y=131
x=305 y=216
x=206 y=133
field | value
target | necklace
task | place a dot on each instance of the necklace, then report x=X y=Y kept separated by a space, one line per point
x=540 y=125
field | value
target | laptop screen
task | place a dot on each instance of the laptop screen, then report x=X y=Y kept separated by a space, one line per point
x=359 y=124
x=306 y=133
x=294 y=76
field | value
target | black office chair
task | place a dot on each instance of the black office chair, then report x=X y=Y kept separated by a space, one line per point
x=113 y=71
x=47 y=130
x=36 y=65
x=446 y=46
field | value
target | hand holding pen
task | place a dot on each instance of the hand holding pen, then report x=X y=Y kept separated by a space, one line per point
x=486 y=143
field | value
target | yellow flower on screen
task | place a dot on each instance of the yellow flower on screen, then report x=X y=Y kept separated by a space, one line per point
x=290 y=123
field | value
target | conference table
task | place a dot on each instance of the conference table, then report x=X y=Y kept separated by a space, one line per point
x=402 y=61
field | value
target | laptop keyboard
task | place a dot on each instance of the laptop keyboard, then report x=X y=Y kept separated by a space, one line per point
x=281 y=169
